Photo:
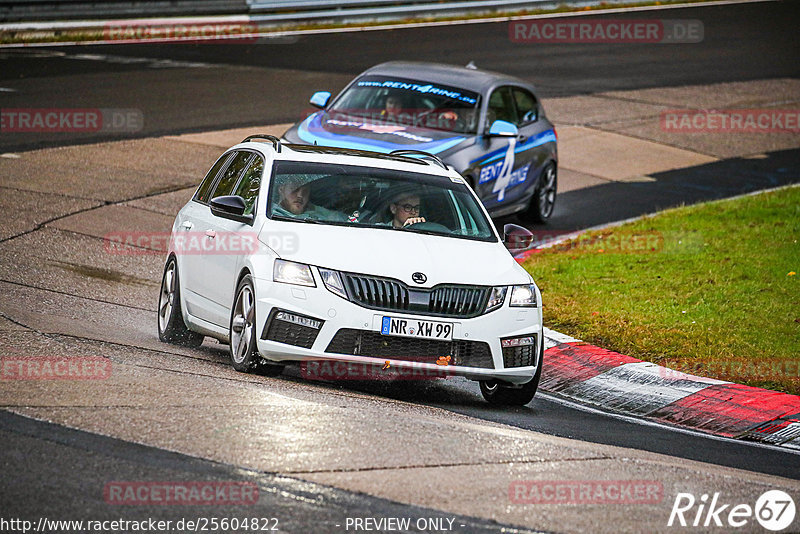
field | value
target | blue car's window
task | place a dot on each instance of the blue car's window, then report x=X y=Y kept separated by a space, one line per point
x=527 y=110
x=414 y=103
x=370 y=197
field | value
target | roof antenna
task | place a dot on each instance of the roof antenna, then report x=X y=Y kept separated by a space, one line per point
x=471 y=65
x=315 y=142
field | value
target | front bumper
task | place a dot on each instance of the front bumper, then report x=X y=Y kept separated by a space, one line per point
x=338 y=330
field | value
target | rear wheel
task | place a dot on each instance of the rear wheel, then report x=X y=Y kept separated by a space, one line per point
x=544 y=199
x=171 y=328
x=502 y=393
x=242 y=333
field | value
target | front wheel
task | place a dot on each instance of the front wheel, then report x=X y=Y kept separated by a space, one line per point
x=171 y=328
x=544 y=198
x=242 y=333
x=503 y=394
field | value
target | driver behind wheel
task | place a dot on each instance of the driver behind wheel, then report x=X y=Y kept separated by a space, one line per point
x=405 y=209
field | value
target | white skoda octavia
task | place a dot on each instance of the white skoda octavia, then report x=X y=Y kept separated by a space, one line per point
x=311 y=254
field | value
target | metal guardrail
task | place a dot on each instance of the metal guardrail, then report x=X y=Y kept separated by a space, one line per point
x=29 y=10
x=259 y=11
x=280 y=11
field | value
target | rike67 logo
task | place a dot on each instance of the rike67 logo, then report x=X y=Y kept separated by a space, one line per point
x=774 y=510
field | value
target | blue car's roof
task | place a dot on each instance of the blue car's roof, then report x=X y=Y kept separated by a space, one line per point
x=477 y=80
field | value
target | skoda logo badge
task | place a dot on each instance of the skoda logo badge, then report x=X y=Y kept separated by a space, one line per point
x=419 y=278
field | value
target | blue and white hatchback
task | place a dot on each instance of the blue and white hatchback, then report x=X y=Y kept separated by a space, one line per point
x=490 y=127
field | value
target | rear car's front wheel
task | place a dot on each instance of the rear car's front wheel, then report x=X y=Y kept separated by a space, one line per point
x=171 y=328
x=242 y=334
x=544 y=199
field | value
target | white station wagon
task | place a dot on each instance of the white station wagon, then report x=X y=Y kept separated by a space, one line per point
x=294 y=253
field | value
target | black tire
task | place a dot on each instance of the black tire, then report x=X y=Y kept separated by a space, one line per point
x=544 y=198
x=171 y=328
x=242 y=333
x=502 y=394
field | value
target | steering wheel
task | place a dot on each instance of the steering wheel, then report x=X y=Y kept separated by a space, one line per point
x=429 y=226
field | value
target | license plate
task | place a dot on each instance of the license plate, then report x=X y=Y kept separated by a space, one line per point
x=395 y=326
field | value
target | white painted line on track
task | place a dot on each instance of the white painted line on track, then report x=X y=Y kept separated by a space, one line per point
x=651 y=423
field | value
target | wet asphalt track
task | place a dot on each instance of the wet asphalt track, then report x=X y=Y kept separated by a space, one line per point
x=229 y=88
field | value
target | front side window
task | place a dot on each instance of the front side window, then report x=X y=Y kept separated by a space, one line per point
x=249 y=184
x=406 y=102
x=230 y=176
x=527 y=110
x=501 y=107
x=202 y=194
x=367 y=197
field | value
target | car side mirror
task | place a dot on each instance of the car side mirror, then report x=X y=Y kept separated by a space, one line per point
x=503 y=129
x=516 y=238
x=320 y=99
x=230 y=207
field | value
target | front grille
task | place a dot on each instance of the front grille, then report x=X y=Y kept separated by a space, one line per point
x=522 y=356
x=458 y=301
x=376 y=345
x=379 y=293
x=289 y=333
x=392 y=295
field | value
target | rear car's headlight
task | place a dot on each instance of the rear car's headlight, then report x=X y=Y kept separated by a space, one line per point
x=290 y=272
x=496 y=297
x=333 y=281
x=523 y=296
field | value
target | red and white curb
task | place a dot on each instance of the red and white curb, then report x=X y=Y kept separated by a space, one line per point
x=614 y=382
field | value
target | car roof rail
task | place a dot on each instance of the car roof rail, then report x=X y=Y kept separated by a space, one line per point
x=426 y=155
x=276 y=143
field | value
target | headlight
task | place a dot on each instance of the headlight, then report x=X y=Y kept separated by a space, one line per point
x=523 y=295
x=333 y=281
x=496 y=297
x=289 y=272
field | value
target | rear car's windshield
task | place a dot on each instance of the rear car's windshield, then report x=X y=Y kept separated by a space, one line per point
x=388 y=99
x=369 y=197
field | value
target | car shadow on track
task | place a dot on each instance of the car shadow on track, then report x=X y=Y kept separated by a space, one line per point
x=616 y=201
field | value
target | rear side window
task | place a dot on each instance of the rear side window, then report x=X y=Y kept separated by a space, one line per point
x=250 y=183
x=203 y=191
x=526 y=105
x=231 y=174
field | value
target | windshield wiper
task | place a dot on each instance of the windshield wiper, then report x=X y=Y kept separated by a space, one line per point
x=296 y=219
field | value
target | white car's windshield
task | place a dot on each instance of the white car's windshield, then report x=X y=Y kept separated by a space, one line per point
x=414 y=103
x=375 y=198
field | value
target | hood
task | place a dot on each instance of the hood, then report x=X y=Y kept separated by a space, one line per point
x=345 y=131
x=395 y=254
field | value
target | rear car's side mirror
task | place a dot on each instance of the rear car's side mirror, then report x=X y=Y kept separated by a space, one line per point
x=516 y=238
x=320 y=99
x=230 y=207
x=503 y=129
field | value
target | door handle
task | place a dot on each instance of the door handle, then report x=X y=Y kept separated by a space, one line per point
x=187 y=225
x=522 y=138
x=211 y=233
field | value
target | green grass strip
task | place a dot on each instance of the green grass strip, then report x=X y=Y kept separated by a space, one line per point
x=709 y=289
